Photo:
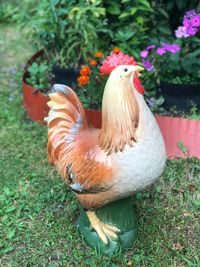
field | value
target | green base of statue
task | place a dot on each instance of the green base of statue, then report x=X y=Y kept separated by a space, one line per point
x=119 y=213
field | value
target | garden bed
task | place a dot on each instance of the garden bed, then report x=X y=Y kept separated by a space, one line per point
x=181 y=136
x=38 y=213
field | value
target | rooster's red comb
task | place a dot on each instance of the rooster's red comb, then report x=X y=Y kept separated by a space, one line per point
x=114 y=60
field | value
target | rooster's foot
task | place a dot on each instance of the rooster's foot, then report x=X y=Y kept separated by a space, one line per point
x=104 y=231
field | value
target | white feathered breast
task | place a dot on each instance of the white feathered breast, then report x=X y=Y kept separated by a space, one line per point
x=140 y=165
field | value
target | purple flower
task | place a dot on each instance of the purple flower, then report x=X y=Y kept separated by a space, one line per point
x=186 y=22
x=151 y=101
x=191 y=31
x=144 y=53
x=172 y=48
x=195 y=21
x=160 y=51
x=190 y=13
x=147 y=64
x=150 y=47
x=181 y=32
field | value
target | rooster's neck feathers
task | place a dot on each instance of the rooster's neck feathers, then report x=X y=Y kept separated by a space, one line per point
x=120 y=116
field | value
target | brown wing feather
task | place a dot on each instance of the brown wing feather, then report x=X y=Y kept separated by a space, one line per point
x=72 y=145
x=90 y=165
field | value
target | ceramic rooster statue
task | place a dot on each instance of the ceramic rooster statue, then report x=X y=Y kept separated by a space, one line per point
x=105 y=165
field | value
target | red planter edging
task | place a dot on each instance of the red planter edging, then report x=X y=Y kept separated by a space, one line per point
x=174 y=130
x=177 y=130
x=34 y=101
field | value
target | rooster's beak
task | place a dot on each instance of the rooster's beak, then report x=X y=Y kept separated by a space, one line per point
x=138 y=69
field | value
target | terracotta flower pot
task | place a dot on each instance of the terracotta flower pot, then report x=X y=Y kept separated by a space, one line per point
x=36 y=107
x=35 y=102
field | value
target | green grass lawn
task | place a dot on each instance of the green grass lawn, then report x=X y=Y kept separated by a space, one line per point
x=38 y=212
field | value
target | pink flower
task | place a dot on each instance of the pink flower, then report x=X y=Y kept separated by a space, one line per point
x=186 y=22
x=195 y=21
x=181 y=32
x=172 y=48
x=114 y=60
x=150 y=47
x=144 y=53
x=192 y=31
x=160 y=51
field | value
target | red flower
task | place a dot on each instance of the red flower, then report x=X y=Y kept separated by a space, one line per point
x=85 y=70
x=92 y=62
x=83 y=79
x=99 y=54
x=116 y=50
x=114 y=60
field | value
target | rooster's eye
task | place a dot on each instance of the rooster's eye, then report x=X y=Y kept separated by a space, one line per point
x=125 y=69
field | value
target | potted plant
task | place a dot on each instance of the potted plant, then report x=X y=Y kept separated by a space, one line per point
x=38 y=80
x=176 y=66
x=67 y=32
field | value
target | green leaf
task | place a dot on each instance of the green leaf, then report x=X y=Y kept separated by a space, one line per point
x=145 y=3
x=133 y=10
x=160 y=101
x=124 y=15
x=8 y=249
x=55 y=2
x=164 y=29
x=163 y=12
x=158 y=189
x=6 y=190
x=140 y=20
x=180 y=4
x=2 y=198
x=10 y=209
x=170 y=5
x=182 y=147
x=195 y=53
x=10 y=234
x=113 y=10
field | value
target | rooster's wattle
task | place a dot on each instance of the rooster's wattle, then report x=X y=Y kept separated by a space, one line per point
x=126 y=155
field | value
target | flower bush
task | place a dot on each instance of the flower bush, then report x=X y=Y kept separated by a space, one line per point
x=151 y=55
x=191 y=24
x=90 y=83
x=178 y=61
x=71 y=31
